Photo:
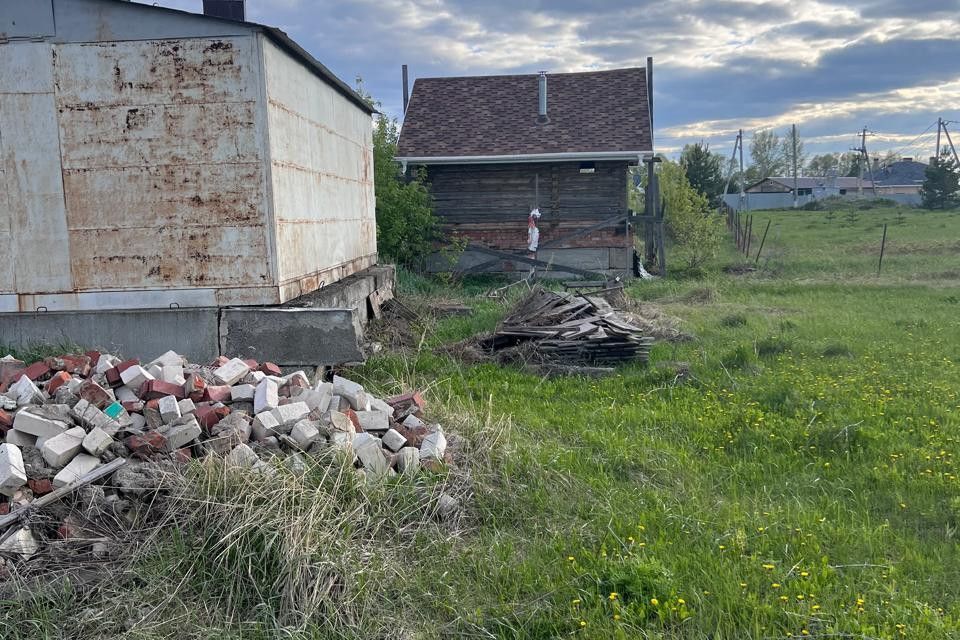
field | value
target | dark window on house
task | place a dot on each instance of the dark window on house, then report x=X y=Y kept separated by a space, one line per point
x=804 y=192
x=588 y=167
x=843 y=192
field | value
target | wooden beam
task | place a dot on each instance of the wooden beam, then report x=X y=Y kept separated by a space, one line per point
x=547 y=266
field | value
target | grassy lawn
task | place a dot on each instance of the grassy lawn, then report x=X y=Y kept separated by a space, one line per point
x=801 y=481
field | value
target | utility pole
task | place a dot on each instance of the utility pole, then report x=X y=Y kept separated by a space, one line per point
x=864 y=159
x=796 y=185
x=936 y=154
x=946 y=132
x=743 y=197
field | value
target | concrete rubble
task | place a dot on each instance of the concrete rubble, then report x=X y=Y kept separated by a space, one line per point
x=63 y=417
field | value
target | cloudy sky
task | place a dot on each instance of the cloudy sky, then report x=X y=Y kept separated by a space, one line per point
x=830 y=66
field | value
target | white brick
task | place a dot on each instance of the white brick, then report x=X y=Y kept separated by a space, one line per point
x=305 y=433
x=12 y=474
x=368 y=449
x=125 y=394
x=408 y=461
x=393 y=440
x=373 y=420
x=264 y=425
x=155 y=370
x=376 y=404
x=242 y=392
x=434 y=446
x=413 y=422
x=186 y=406
x=61 y=449
x=21 y=542
x=266 y=397
x=342 y=422
x=105 y=363
x=168 y=359
x=232 y=371
x=28 y=422
x=254 y=377
x=97 y=441
x=290 y=413
x=169 y=408
x=172 y=373
x=314 y=399
x=135 y=376
x=25 y=392
x=182 y=434
x=352 y=391
x=78 y=467
x=20 y=439
x=242 y=456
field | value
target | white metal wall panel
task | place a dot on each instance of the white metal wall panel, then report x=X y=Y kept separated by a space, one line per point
x=163 y=164
x=321 y=154
x=36 y=238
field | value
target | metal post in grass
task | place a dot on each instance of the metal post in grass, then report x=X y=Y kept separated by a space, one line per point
x=762 y=241
x=883 y=244
x=749 y=236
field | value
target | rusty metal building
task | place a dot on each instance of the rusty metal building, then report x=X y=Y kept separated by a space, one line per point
x=495 y=147
x=151 y=158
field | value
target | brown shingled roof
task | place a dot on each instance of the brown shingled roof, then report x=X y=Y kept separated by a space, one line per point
x=597 y=111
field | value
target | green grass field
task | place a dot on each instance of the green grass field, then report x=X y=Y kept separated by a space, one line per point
x=800 y=481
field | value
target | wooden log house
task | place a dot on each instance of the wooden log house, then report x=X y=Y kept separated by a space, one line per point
x=495 y=147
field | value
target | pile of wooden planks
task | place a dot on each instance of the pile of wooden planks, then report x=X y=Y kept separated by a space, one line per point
x=571 y=329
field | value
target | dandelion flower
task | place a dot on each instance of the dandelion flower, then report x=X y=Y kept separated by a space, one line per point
x=804 y=574
x=616 y=616
x=681 y=601
x=570 y=558
x=768 y=566
x=775 y=585
x=654 y=602
x=583 y=623
x=613 y=595
x=576 y=602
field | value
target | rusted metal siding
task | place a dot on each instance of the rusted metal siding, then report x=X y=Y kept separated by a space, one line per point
x=321 y=165
x=162 y=164
x=38 y=245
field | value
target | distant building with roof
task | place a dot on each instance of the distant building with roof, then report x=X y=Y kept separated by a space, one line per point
x=495 y=147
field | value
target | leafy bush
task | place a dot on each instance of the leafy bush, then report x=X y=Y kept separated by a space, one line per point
x=406 y=225
x=690 y=220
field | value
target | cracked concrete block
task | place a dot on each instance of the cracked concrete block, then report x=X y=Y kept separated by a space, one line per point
x=408 y=461
x=186 y=406
x=370 y=452
x=373 y=420
x=434 y=445
x=242 y=392
x=135 y=376
x=265 y=425
x=289 y=414
x=20 y=439
x=180 y=435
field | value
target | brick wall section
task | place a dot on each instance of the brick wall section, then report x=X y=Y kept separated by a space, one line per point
x=511 y=236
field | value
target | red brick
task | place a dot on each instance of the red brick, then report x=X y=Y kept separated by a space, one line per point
x=94 y=357
x=40 y=487
x=216 y=393
x=10 y=371
x=126 y=364
x=133 y=406
x=208 y=416
x=405 y=399
x=271 y=369
x=4 y=508
x=58 y=380
x=147 y=444
x=152 y=404
x=220 y=361
x=182 y=456
x=253 y=364
x=71 y=363
x=154 y=389
x=95 y=394
x=6 y=421
x=36 y=371
x=113 y=378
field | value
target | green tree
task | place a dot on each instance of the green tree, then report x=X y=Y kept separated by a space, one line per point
x=689 y=218
x=823 y=164
x=766 y=154
x=703 y=169
x=941 y=184
x=406 y=225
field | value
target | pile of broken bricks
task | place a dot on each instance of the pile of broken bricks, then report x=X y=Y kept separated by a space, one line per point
x=64 y=417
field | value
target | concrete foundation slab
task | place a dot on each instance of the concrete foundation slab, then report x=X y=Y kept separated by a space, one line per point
x=291 y=337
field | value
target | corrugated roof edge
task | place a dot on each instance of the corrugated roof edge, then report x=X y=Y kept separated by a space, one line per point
x=285 y=42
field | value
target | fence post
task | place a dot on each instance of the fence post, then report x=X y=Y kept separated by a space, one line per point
x=883 y=244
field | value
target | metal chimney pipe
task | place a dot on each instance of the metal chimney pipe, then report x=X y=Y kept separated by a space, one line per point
x=406 y=89
x=542 y=112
